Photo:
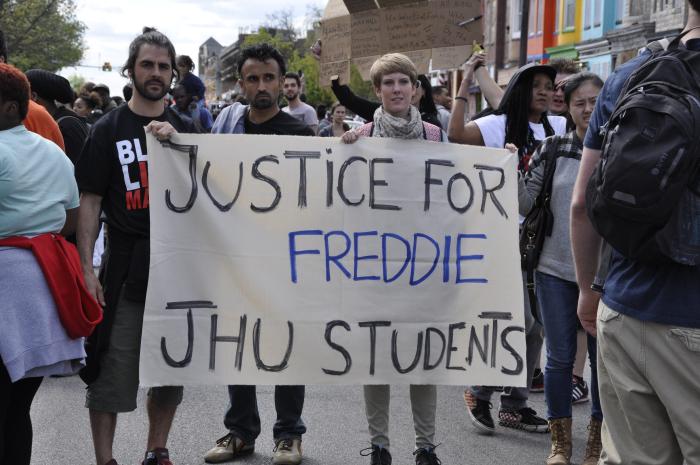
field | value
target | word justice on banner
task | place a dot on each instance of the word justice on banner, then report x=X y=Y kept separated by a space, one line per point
x=302 y=260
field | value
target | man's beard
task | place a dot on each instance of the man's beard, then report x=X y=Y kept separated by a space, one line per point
x=291 y=97
x=142 y=89
x=262 y=101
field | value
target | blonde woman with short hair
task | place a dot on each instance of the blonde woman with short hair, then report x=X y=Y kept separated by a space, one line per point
x=395 y=79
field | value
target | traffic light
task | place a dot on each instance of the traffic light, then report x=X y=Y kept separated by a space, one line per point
x=107 y=66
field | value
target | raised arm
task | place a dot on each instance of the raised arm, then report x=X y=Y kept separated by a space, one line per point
x=490 y=89
x=358 y=105
x=457 y=130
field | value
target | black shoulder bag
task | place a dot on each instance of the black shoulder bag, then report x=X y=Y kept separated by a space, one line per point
x=538 y=225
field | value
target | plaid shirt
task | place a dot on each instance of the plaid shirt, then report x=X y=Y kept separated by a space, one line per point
x=565 y=152
x=569 y=145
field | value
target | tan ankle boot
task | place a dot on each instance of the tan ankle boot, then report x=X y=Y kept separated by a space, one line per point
x=560 y=430
x=593 y=446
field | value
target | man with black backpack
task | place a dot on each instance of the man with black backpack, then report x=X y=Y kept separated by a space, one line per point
x=638 y=189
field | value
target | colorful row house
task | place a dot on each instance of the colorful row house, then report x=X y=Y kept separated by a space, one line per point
x=599 y=34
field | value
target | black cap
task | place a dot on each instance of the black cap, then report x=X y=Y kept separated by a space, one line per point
x=529 y=69
x=50 y=86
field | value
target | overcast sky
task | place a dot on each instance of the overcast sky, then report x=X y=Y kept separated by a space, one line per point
x=112 y=24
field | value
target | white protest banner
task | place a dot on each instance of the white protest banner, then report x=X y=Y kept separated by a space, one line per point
x=301 y=260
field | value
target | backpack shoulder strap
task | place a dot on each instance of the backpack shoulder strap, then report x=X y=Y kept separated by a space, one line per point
x=83 y=124
x=432 y=132
x=549 y=157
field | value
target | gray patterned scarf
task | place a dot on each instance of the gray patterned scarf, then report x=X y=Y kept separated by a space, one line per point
x=386 y=125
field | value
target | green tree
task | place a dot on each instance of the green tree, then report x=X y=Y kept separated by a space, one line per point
x=315 y=94
x=42 y=33
x=76 y=81
x=359 y=86
x=278 y=40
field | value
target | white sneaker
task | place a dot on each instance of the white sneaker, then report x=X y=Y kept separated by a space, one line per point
x=287 y=452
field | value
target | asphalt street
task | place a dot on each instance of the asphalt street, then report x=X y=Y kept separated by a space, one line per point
x=334 y=416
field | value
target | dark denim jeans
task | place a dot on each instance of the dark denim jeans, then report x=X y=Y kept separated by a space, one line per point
x=558 y=300
x=243 y=419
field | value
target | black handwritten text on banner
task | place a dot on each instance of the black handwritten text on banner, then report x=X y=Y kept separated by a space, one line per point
x=298 y=260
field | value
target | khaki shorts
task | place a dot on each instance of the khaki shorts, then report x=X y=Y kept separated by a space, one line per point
x=115 y=388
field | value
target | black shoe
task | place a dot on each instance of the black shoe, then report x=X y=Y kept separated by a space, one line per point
x=157 y=456
x=579 y=392
x=537 y=384
x=426 y=456
x=479 y=413
x=525 y=419
x=377 y=455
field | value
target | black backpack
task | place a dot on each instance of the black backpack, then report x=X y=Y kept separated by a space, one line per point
x=644 y=195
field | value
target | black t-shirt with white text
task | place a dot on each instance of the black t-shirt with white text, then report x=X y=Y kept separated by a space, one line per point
x=114 y=165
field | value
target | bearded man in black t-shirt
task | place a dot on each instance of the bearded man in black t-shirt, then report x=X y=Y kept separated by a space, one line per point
x=112 y=174
x=261 y=69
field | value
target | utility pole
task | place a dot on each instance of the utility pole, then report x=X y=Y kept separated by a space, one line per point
x=500 y=35
x=524 y=25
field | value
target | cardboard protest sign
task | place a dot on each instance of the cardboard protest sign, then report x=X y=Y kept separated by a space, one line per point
x=364 y=65
x=448 y=14
x=300 y=260
x=336 y=32
x=367 y=34
x=420 y=58
x=339 y=68
x=450 y=57
x=389 y=3
x=424 y=27
x=409 y=27
x=355 y=6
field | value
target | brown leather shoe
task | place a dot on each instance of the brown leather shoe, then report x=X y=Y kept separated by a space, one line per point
x=560 y=430
x=227 y=448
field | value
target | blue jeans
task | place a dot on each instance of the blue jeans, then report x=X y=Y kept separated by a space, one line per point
x=243 y=419
x=558 y=300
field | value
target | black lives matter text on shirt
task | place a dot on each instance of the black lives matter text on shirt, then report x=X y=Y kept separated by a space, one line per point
x=114 y=165
x=282 y=124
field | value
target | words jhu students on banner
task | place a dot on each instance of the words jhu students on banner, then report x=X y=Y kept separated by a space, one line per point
x=298 y=260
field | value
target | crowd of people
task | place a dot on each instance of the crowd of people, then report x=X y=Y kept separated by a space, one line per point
x=70 y=161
